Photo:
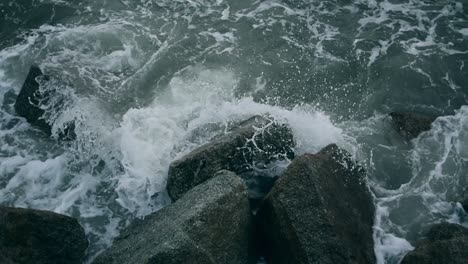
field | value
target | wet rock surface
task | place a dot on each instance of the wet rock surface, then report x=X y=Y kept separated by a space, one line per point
x=464 y=200
x=29 y=101
x=256 y=140
x=410 y=125
x=40 y=237
x=445 y=243
x=210 y=224
x=319 y=211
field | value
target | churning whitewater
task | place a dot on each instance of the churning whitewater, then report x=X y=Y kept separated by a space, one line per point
x=148 y=81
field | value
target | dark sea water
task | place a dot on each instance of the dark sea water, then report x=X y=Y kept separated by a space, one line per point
x=147 y=81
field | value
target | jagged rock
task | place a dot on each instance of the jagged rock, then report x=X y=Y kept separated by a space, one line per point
x=237 y=151
x=445 y=243
x=30 y=101
x=210 y=224
x=40 y=237
x=410 y=125
x=319 y=211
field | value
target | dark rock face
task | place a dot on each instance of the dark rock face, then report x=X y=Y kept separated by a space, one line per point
x=40 y=237
x=410 y=125
x=210 y=224
x=319 y=211
x=30 y=100
x=237 y=151
x=28 y=103
x=445 y=243
x=464 y=201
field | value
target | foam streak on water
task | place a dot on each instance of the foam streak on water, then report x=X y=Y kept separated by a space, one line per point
x=148 y=81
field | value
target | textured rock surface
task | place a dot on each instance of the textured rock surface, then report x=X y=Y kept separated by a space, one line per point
x=445 y=243
x=319 y=211
x=40 y=237
x=210 y=224
x=410 y=125
x=243 y=147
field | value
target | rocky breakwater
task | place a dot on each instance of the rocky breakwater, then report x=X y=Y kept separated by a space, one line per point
x=32 y=236
x=319 y=211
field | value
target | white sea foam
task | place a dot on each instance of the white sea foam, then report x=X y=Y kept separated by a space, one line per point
x=141 y=148
x=116 y=168
x=152 y=137
x=438 y=160
x=418 y=18
x=387 y=246
x=463 y=31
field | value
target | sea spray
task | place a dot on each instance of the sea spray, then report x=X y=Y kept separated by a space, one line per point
x=153 y=80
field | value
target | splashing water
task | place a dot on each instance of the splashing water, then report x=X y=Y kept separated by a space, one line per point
x=148 y=81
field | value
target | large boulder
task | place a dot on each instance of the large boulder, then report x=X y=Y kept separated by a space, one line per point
x=256 y=140
x=211 y=224
x=40 y=237
x=319 y=211
x=445 y=243
x=410 y=125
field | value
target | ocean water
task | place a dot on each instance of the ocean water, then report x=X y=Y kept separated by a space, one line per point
x=148 y=81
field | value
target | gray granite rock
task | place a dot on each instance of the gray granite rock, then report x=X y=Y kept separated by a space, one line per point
x=237 y=151
x=319 y=211
x=211 y=224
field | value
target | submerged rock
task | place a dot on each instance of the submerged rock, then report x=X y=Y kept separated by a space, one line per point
x=29 y=101
x=319 y=211
x=40 y=237
x=256 y=140
x=464 y=201
x=210 y=224
x=410 y=125
x=445 y=243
